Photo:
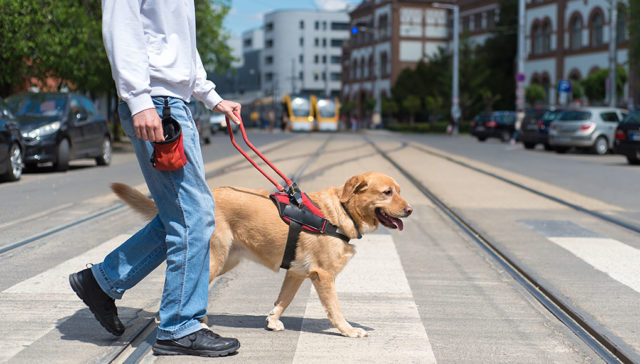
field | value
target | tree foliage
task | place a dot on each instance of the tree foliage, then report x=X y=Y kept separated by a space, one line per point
x=594 y=85
x=535 y=93
x=61 y=41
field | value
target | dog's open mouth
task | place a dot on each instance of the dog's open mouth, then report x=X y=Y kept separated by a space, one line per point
x=388 y=221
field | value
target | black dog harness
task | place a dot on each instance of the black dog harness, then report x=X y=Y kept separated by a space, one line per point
x=302 y=214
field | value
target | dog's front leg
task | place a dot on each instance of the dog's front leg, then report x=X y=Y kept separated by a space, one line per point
x=290 y=285
x=324 y=282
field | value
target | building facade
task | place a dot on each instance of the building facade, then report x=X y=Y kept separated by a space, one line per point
x=569 y=40
x=302 y=50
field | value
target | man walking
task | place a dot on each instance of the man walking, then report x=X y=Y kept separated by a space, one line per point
x=151 y=46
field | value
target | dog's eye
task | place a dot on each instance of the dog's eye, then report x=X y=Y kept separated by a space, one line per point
x=388 y=192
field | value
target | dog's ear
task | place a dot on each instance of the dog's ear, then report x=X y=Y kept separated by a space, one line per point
x=354 y=185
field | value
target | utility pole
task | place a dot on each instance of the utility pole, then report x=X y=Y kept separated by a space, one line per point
x=613 y=59
x=456 y=113
x=520 y=77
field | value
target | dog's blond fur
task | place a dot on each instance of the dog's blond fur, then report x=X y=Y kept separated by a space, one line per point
x=248 y=226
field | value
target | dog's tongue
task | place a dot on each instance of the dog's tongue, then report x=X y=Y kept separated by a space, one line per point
x=397 y=223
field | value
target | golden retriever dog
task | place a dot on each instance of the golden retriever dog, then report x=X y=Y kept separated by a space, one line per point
x=248 y=226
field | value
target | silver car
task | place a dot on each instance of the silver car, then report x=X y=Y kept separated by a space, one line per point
x=586 y=127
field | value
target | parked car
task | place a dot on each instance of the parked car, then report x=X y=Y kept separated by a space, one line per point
x=586 y=127
x=219 y=123
x=11 y=145
x=535 y=126
x=496 y=124
x=201 y=115
x=58 y=127
x=627 y=138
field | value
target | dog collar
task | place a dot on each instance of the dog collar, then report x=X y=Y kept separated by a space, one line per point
x=352 y=219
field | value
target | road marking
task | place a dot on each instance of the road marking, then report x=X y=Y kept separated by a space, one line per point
x=374 y=294
x=618 y=260
x=35 y=216
x=33 y=307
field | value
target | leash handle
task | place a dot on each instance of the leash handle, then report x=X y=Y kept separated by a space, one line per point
x=246 y=140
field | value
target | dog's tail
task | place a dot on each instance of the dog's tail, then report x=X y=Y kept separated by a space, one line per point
x=136 y=200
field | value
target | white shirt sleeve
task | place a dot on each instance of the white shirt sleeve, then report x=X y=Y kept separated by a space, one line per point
x=125 y=44
x=204 y=89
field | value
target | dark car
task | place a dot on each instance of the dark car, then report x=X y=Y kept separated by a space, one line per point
x=58 y=127
x=535 y=126
x=496 y=124
x=627 y=138
x=201 y=115
x=11 y=145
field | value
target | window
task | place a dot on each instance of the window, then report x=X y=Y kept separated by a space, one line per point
x=383 y=26
x=336 y=76
x=88 y=106
x=324 y=25
x=384 y=59
x=248 y=42
x=301 y=42
x=477 y=21
x=268 y=27
x=324 y=42
x=324 y=59
x=335 y=59
x=317 y=26
x=610 y=117
x=316 y=42
x=339 y=26
x=465 y=24
x=537 y=39
x=576 y=33
x=301 y=58
x=596 y=30
x=269 y=77
x=546 y=37
x=316 y=59
x=268 y=60
x=363 y=67
x=371 y=67
x=621 y=25
x=337 y=43
x=301 y=75
x=268 y=43
x=301 y=24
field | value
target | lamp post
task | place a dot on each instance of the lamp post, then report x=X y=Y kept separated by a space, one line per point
x=613 y=61
x=455 y=98
x=520 y=77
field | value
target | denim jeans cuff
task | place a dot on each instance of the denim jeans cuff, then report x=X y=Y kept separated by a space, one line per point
x=104 y=283
x=184 y=330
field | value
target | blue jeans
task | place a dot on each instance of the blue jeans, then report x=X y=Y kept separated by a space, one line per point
x=179 y=233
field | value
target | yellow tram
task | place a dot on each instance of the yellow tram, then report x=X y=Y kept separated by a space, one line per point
x=298 y=111
x=327 y=111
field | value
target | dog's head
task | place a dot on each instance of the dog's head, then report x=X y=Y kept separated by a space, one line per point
x=375 y=198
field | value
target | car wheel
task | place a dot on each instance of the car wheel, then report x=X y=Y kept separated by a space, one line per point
x=633 y=160
x=15 y=164
x=62 y=156
x=561 y=150
x=529 y=145
x=104 y=159
x=505 y=136
x=482 y=139
x=601 y=146
x=207 y=140
x=548 y=147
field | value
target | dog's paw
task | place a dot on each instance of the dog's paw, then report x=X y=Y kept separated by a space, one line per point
x=274 y=324
x=356 y=332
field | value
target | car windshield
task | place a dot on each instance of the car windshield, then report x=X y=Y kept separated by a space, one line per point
x=37 y=104
x=326 y=108
x=574 y=116
x=483 y=117
x=633 y=117
x=301 y=106
x=551 y=115
x=505 y=117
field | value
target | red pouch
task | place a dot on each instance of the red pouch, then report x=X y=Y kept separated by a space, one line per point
x=169 y=155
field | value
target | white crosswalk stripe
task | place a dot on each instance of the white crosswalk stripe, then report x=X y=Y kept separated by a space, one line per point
x=620 y=261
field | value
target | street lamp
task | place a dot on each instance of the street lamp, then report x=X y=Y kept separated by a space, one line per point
x=455 y=98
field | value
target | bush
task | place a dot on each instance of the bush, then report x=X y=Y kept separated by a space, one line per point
x=437 y=127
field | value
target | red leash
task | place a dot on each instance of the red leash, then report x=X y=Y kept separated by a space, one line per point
x=292 y=188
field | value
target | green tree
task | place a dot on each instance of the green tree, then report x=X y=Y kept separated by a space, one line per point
x=534 y=94
x=412 y=105
x=389 y=107
x=212 y=39
x=594 y=85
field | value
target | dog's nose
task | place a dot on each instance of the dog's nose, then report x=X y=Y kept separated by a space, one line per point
x=408 y=210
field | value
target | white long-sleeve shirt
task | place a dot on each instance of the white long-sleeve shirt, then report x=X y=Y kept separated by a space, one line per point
x=151 y=45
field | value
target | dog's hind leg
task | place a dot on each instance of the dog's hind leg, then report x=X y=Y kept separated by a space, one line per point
x=290 y=286
x=324 y=282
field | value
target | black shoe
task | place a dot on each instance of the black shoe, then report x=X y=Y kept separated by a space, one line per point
x=201 y=343
x=102 y=306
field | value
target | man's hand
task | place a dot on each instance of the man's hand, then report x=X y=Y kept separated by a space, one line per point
x=229 y=108
x=148 y=125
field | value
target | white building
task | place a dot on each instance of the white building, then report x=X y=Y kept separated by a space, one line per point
x=302 y=50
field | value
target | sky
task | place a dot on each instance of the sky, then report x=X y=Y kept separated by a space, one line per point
x=247 y=14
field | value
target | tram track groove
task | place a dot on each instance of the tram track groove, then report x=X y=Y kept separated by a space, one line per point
x=592 y=334
x=619 y=222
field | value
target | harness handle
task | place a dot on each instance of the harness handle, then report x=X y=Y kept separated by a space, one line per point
x=292 y=189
